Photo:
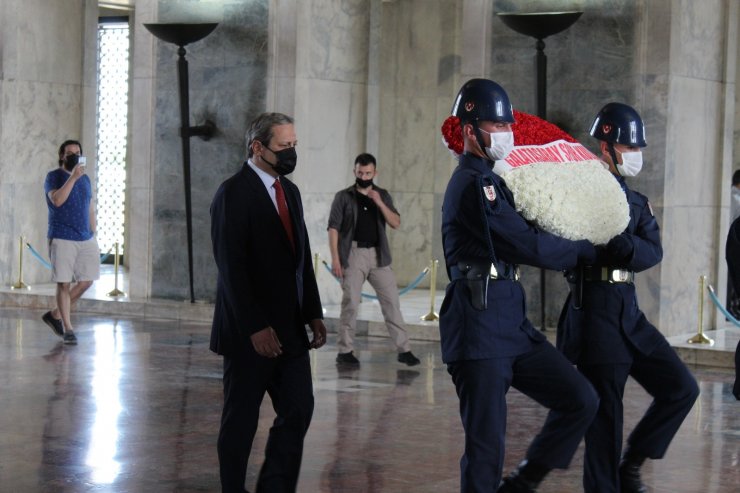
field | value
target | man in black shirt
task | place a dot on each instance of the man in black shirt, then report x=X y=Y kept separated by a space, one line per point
x=360 y=252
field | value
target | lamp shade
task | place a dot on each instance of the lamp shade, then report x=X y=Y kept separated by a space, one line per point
x=541 y=24
x=181 y=34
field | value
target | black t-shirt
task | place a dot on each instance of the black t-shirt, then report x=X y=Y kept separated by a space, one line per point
x=366 y=229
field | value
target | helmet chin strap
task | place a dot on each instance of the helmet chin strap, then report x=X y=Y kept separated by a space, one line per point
x=482 y=144
x=613 y=154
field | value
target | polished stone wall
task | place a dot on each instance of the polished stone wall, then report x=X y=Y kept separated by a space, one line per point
x=47 y=95
x=227 y=71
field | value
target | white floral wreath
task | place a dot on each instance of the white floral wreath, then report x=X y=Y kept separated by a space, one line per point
x=558 y=185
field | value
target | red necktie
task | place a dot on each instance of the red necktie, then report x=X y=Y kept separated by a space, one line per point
x=283 y=211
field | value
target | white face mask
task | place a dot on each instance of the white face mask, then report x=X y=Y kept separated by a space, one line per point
x=502 y=143
x=631 y=163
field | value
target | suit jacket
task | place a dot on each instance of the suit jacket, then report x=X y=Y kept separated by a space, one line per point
x=598 y=333
x=261 y=281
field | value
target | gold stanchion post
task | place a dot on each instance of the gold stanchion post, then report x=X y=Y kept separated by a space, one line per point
x=432 y=315
x=20 y=284
x=700 y=338
x=316 y=264
x=116 y=291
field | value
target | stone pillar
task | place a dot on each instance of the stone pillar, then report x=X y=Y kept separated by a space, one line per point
x=697 y=154
x=140 y=173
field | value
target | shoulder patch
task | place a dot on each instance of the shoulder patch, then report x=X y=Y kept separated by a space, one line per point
x=490 y=193
x=650 y=208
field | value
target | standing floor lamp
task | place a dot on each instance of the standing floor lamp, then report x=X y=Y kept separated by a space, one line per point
x=539 y=26
x=181 y=35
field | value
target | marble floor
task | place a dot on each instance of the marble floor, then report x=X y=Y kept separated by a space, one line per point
x=135 y=408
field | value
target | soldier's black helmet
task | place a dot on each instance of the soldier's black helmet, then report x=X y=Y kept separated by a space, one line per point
x=482 y=99
x=618 y=123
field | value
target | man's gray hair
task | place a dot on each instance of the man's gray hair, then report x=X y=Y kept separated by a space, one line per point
x=261 y=128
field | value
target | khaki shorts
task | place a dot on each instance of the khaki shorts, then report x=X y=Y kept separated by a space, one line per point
x=74 y=260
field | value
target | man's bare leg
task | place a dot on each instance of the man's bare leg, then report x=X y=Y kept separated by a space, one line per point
x=66 y=298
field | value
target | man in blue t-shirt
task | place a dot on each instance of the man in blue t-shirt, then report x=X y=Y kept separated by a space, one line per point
x=73 y=249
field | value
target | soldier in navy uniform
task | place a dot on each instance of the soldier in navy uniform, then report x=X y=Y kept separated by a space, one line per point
x=603 y=330
x=488 y=343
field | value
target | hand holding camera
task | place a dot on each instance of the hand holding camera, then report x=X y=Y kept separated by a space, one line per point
x=76 y=165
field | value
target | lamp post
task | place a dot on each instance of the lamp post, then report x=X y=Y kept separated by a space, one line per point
x=540 y=25
x=181 y=35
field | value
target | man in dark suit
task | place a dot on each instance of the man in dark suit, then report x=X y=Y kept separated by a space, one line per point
x=267 y=293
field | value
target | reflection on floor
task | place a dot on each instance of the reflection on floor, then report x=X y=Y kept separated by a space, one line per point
x=135 y=407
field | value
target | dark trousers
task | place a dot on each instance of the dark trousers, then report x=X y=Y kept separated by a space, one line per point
x=542 y=374
x=674 y=390
x=287 y=379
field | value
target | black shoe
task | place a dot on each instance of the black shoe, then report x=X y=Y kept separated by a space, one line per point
x=69 y=338
x=347 y=359
x=55 y=325
x=629 y=478
x=513 y=483
x=525 y=479
x=408 y=358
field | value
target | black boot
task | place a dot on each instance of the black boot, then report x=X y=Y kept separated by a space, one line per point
x=525 y=479
x=629 y=474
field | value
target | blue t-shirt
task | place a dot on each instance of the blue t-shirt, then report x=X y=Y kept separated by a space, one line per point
x=71 y=220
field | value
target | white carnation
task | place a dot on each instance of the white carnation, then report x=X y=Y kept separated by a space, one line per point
x=575 y=200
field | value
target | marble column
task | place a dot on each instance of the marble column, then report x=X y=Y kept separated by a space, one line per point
x=697 y=152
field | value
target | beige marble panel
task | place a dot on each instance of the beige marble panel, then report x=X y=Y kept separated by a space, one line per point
x=316 y=206
x=689 y=251
x=49 y=37
x=654 y=37
x=24 y=215
x=416 y=143
x=335 y=40
x=697 y=38
x=411 y=244
x=37 y=117
x=418 y=47
x=330 y=124
x=692 y=152
x=141 y=155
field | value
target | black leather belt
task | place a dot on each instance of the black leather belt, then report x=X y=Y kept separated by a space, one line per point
x=366 y=244
x=607 y=274
x=504 y=272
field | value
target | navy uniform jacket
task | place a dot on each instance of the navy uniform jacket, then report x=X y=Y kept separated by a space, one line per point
x=609 y=314
x=476 y=221
x=261 y=281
